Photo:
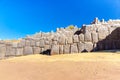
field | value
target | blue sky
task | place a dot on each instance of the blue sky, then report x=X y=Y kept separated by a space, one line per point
x=21 y=17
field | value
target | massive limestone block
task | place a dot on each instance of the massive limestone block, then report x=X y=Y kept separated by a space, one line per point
x=101 y=36
x=94 y=37
x=21 y=44
x=66 y=49
x=37 y=44
x=42 y=43
x=61 y=49
x=32 y=43
x=36 y=50
x=74 y=48
x=81 y=37
x=81 y=47
x=75 y=39
x=47 y=42
x=14 y=45
x=55 y=38
x=27 y=50
x=19 y=51
x=13 y=51
x=27 y=43
x=102 y=32
x=88 y=37
x=88 y=46
x=61 y=40
x=47 y=47
x=55 y=49
x=69 y=40
x=54 y=42
x=10 y=51
x=2 y=51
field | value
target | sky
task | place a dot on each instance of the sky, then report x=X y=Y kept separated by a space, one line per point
x=19 y=18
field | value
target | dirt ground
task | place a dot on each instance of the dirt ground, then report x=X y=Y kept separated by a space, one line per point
x=88 y=66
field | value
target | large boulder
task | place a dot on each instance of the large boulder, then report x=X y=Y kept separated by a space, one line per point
x=47 y=42
x=61 y=49
x=69 y=40
x=81 y=37
x=14 y=45
x=10 y=51
x=102 y=32
x=20 y=45
x=88 y=46
x=32 y=43
x=54 y=42
x=74 y=48
x=27 y=50
x=27 y=43
x=81 y=47
x=37 y=44
x=75 y=39
x=36 y=50
x=94 y=37
x=54 y=50
x=61 y=40
x=88 y=37
x=42 y=43
x=19 y=51
x=66 y=49
x=2 y=51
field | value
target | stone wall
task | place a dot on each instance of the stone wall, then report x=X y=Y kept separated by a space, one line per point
x=96 y=36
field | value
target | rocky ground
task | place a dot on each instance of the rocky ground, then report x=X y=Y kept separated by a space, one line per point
x=88 y=66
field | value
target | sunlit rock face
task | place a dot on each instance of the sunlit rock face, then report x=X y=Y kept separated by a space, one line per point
x=99 y=35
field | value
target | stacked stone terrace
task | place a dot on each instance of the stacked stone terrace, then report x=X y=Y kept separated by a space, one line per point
x=99 y=35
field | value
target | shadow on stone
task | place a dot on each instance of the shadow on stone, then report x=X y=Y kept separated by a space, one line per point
x=84 y=51
x=111 y=42
x=46 y=52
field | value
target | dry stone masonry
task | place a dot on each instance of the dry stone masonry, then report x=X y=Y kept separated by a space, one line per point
x=99 y=35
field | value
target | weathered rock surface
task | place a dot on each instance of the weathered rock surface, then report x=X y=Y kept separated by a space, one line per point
x=81 y=47
x=74 y=48
x=55 y=49
x=88 y=37
x=88 y=46
x=36 y=50
x=19 y=51
x=99 y=35
x=2 y=51
x=28 y=50
x=66 y=49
